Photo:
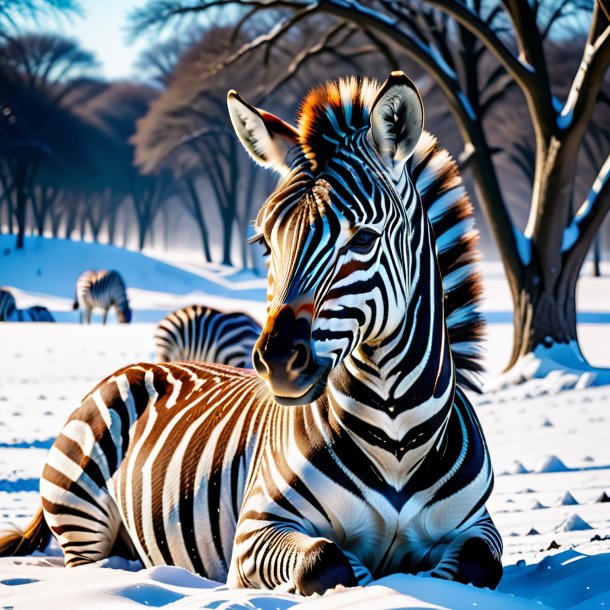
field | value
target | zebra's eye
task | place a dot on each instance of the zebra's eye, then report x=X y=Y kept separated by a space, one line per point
x=363 y=241
x=260 y=239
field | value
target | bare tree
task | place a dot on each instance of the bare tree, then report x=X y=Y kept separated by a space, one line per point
x=46 y=62
x=114 y=111
x=543 y=261
x=10 y=9
x=37 y=131
x=187 y=131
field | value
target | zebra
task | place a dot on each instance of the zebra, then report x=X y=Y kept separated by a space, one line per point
x=10 y=313
x=102 y=289
x=350 y=453
x=35 y=313
x=208 y=335
x=8 y=306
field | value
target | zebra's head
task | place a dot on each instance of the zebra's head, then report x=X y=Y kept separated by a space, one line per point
x=336 y=228
x=123 y=312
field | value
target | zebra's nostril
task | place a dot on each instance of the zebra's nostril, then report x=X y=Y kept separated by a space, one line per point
x=300 y=358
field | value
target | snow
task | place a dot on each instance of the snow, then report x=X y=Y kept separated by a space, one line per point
x=549 y=447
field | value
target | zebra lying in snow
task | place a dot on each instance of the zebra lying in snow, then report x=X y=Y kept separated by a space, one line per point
x=35 y=313
x=207 y=335
x=353 y=454
x=10 y=313
x=102 y=290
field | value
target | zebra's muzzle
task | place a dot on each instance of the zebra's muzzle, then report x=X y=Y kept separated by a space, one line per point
x=285 y=358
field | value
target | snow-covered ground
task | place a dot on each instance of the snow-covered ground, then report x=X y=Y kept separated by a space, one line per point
x=550 y=449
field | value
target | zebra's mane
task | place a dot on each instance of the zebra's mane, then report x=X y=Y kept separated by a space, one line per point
x=337 y=109
x=332 y=111
x=437 y=179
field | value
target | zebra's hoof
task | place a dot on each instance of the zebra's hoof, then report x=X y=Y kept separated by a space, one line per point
x=323 y=567
x=477 y=565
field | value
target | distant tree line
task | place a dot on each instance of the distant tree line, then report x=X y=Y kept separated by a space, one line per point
x=66 y=164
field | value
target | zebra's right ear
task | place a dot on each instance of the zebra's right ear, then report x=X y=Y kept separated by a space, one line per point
x=265 y=137
x=397 y=119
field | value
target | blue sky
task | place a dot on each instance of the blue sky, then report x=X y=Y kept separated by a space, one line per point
x=101 y=29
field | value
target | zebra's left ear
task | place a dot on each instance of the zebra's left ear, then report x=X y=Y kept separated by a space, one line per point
x=265 y=137
x=397 y=119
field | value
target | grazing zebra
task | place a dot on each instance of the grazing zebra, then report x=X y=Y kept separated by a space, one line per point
x=102 y=290
x=352 y=454
x=8 y=306
x=207 y=335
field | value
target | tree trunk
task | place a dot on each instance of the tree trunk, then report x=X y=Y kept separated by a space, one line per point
x=597 y=257
x=21 y=193
x=199 y=219
x=142 y=231
x=545 y=301
x=544 y=315
x=227 y=239
x=112 y=227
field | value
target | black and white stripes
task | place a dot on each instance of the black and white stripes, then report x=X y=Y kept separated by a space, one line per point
x=102 y=290
x=9 y=312
x=8 y=306
x=207 y=335
x=351 y=454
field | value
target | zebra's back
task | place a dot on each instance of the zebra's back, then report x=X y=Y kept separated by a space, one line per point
x=207 y=335
x=180 y=507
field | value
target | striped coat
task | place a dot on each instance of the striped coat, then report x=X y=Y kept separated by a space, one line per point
x=102 y=290
x=351 y=453
x=207 y=335
x=8 y=307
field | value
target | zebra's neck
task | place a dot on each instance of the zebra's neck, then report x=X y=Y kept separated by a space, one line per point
x=395 y=397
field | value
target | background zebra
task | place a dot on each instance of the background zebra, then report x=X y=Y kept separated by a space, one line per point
x=10 y=313
x=8 y=305
x=102 y=290
x=35 y=313
x=353 y=454
x=207 y=335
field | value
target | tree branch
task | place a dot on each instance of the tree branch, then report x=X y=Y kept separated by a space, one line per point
x=520 y=71
x=578 y=108
x=591 y=214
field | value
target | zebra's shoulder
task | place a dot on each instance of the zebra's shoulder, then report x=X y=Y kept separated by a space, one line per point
x=437 y=179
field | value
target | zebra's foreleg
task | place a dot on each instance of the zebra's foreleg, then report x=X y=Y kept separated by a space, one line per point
x=474 y=556
x=104 y=316
x=276 y=558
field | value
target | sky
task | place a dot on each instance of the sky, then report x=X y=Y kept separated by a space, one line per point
x=101 y=29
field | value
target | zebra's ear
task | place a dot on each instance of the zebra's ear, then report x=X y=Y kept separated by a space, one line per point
x=397 y=119
x=265 y=137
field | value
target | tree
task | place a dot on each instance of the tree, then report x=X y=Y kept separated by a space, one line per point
x=37 y=131
x=187 y=131
x=10 y=9
x=46 y=62
x=542 y=262
x=115 y=112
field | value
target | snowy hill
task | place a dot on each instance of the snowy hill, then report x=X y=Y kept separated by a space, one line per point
x=549 y=448
x=46 y=270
